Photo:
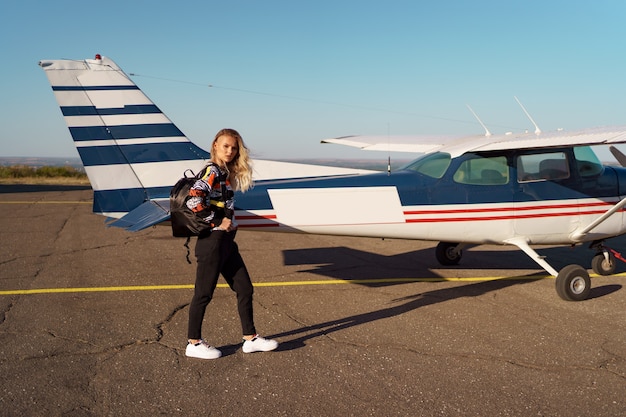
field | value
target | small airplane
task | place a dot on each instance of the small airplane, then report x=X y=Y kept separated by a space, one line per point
x=539 y=188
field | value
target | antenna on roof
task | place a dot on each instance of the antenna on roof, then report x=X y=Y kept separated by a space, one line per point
x=537 y=130
x=487 y=132
x=388 y=152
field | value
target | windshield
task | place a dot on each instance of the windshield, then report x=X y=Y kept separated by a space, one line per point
x=433 y=165
x=588 y=163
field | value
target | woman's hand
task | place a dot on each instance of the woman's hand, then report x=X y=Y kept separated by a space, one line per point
x=227 y=225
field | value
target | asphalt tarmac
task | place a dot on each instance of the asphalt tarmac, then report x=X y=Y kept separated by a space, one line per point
x=93 y=323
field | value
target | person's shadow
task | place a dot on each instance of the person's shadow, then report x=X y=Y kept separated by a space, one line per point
x=296 y=338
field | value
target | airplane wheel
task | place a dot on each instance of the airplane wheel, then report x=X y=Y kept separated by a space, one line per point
x=446 y=255
x=601 y=266
x=573 y=283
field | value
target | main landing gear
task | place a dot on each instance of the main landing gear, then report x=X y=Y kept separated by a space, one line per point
x=572 y=282
x=448 y=253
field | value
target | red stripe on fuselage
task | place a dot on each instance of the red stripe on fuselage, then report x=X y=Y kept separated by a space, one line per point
x=566 y=210
x=511 y=217
x=505 y=209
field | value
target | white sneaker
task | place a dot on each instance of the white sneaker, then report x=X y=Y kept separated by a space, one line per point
x=259 y=344
x=202 y=350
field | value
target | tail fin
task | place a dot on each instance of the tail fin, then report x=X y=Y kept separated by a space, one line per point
x=132 y=153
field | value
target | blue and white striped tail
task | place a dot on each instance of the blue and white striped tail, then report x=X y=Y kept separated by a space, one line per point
x=131 y=151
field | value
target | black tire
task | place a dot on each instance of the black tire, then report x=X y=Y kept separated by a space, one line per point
x=573 y=283
x=446 y=255
x=601 y=266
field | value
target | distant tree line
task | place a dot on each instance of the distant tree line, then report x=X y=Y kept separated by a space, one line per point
x=24 y=171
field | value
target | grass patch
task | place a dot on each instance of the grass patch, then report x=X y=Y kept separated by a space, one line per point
x=24 y=174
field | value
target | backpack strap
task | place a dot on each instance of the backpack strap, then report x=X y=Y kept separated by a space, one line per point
x=206 y=171
x=222 y=180
x=187 y=246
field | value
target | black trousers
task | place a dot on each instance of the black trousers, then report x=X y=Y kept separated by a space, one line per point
x=219 y=253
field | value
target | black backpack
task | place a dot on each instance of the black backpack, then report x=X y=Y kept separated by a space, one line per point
x=185 y=223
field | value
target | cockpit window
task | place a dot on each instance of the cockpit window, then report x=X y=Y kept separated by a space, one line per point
x=483 y=171
x=588 y=163
x=433 y=165
x=542 y=167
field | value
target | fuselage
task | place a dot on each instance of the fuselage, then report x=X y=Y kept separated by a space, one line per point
x=543 y=195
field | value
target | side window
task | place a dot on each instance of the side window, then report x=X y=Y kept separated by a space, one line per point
x=483 y=171
x=542 y=167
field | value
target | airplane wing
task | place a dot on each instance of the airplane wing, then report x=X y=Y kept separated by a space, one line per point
x=417 y=144
x=459 y=145
x=595 y=136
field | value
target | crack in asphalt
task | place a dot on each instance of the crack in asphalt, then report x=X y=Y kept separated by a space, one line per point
x=115 y=348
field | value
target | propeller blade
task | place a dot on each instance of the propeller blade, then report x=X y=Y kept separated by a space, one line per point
x=621 y=158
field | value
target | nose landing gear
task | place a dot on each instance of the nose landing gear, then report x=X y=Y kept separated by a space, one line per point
x=604 y=262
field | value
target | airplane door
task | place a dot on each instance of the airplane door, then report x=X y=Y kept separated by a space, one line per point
x=548 y=198
x=477 y=191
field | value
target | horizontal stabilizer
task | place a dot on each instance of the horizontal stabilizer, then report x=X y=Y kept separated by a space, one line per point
x=145 y=215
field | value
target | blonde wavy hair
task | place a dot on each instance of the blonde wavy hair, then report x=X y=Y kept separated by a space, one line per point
x=240 y=168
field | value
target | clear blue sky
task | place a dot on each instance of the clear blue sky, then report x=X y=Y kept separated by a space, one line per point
x=325 y=68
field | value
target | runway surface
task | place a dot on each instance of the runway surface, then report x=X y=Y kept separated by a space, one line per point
x=93 y=323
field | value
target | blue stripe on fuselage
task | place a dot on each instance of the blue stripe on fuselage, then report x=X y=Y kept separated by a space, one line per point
x=415 y=189
x=258 y=197
x=141 y=153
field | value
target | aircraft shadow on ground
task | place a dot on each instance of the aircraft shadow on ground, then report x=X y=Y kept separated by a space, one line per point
x=409 y=303
x=353 y=264
x=36 y=188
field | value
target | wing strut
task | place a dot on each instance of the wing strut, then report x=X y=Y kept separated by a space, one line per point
x=578 y=234
x=522 y=243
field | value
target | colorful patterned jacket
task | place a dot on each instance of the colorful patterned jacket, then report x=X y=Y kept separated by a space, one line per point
x=207 y=199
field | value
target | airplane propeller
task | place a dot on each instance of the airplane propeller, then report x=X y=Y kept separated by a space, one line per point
x=619 y=155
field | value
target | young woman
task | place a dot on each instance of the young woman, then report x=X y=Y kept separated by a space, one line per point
x=211 y=198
